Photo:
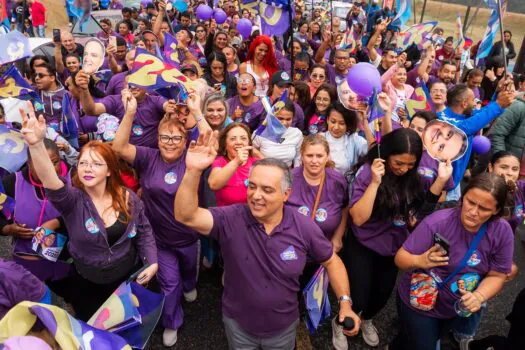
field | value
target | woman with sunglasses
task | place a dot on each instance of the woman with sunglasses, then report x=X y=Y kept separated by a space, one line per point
x=199 y=43
x=109 y=234
x=160 y=171
x=318 y=76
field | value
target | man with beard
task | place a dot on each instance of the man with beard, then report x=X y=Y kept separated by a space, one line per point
x=70 y=46
x=460 y=113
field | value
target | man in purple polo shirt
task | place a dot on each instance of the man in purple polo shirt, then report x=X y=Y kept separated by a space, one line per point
x=338 y=71
x=265 y=246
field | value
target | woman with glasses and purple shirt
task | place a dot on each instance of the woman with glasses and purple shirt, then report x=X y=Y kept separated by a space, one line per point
x=161 y=171
x=199 y=44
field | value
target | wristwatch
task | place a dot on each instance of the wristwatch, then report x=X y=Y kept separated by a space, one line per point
x=345 y=298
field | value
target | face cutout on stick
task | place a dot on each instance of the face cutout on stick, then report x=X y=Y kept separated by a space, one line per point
x=93 y=56
x=443 y=141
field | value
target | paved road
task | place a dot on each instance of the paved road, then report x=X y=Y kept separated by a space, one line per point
x=203 y=329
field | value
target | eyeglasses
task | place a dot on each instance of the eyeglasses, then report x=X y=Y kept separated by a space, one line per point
x=40 y=75
x=166 y=139
x=318 y=76
x=244 y=81
x=94 y=165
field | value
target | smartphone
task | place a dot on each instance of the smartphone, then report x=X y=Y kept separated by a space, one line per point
x=113 y=41
x=136 y=274
x=442 y=242
x=217 y=86
x=56 y=35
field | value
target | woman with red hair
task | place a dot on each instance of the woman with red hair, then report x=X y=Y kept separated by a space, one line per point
x=260 y=63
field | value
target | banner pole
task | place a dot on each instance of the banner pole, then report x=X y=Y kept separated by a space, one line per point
x=292 y=56
x=502 y=38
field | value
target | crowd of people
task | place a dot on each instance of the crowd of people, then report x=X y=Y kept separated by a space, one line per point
x=169 y=186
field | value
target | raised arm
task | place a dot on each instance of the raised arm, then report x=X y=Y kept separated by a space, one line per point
x=86 y=100
x=113 y=65
x=34 y=132
x=59 y=63
x=158 y=22
x=361 y=211
x=199 y=157
x=325 y=44
x=121 y=144
x=423 y=66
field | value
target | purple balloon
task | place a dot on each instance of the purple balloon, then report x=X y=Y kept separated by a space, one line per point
x=362 y=78
x=220 y=16
x=244 y=26
x=480 y=145
x=204 y=12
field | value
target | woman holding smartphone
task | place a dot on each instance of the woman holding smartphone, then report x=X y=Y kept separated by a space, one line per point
x=109 y=234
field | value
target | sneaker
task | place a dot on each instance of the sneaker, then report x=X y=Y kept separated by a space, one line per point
x=169 y=337
x=369 y=332
x=464 y=343
x=191 y=296
x=338 y=338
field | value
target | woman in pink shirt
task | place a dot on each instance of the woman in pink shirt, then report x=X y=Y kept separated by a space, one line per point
x=230 y=171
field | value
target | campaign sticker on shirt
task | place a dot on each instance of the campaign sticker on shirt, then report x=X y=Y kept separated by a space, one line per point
x=398 y=221
x=133 y=232
x=285 y=76
x=466 y=283
x=321 y=215
x=91 y=226
x=137 y=130
x=426 y=172
x=518 y=211
x=435 y=276
x=38 y=106
x=474 y=259
x=339 y=79
x=313 y=129
x=289 y=254
x=170 y=178
x=441 y=58
x=246 y=183
x=304 y=210
x=57 y=105
x=247 y=117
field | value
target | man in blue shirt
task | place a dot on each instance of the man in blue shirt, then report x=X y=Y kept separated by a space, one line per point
x=460 y=113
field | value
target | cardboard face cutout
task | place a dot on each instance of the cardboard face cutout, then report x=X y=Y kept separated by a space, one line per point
x=443 y=141
x=347 y=97
x=93 y=56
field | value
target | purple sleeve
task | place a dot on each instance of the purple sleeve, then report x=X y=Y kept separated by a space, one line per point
x=361 y=182
x=144 y=239
x=421 y=239
x=319 y=247
x=19 y=284
x=222 y=225
x=159 y=104
x=142 y=157
x=298 y=118
x=501 y=257
x=65 y=198
x=111 y=103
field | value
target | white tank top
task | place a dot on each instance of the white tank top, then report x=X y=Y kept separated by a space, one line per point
x=261 y=87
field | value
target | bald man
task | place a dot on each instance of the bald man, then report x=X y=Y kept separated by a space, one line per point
x=70 y=46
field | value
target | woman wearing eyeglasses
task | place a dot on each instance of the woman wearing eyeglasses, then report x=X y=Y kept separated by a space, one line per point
x=161 y=171
x=315 y=115
x=109 y=234
x=199 y=44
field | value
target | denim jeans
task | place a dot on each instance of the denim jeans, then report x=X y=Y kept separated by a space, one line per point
x=40 y=31
x=417 y=331
x=466 y=327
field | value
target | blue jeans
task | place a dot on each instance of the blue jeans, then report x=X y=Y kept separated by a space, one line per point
x=466 y=327
x=417 y=331
x=40 y=31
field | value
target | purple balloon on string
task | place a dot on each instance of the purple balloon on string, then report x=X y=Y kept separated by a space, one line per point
x=220 y=16
x=480 y=144
x=363 y=78
x=204 y=12
x=244 y=26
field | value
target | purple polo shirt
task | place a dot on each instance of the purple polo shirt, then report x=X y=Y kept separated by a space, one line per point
x=494 y=253
x=262 y=271
x=428 y=172
x=383 y=237
x=519 y=199
x=105 y=64
x=88 y=239
x=160 y=181
x=145 y=124
x=17 y=285
x=253 y=115
x=116 y=84
x=334 y=78
x=333 y=201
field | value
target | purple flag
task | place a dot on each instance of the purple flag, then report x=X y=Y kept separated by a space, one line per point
x=315 y=296
x=13 y=47
x=13 y=150
x=12 y=84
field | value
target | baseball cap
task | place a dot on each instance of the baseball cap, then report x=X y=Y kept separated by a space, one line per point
x=150 y=6
x=281 y=78
x=190 y=67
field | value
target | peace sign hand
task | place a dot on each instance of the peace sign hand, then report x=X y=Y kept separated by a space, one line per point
x=33 y=129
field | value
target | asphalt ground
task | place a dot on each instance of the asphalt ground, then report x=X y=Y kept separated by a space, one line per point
x=203 y=329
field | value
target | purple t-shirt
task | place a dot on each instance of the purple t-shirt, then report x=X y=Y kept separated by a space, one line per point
x=17 y=285
x=145 y=125
x=333 y=201
x=494 y=253
x=160 y=181
x=116 y=84
x=383 y=237
x=334 y=78
x=428 y=171
x=105 y=64
x=88 y=240
x=262 y=270
x=253 y=115
x=519 y=199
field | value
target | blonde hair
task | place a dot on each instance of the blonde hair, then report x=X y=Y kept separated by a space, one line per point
x=318 y=139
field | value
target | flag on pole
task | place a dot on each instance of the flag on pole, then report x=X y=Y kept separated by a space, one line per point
x=12 y=84
x=13 y=150
x=274 y=14
x=170 y=50
x=271 y=128
x=349 y=40
x=492 y=29
x=458 y=33
x=404 y=11
x=81 y=9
